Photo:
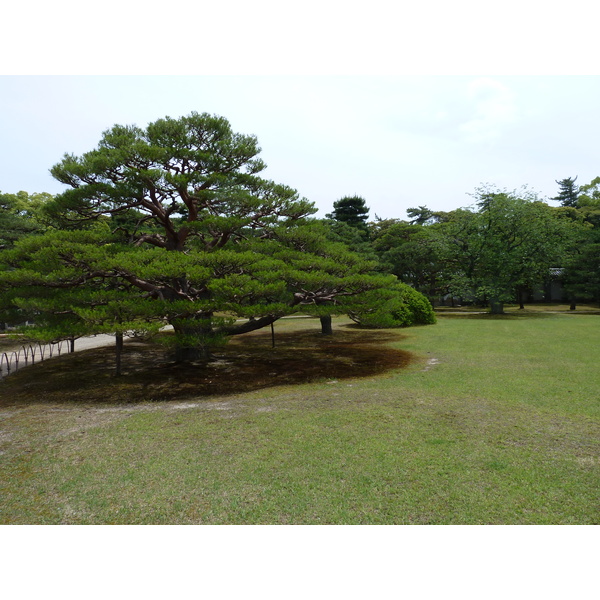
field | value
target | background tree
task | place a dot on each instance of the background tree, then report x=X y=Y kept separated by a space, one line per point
x=20 y=216
x=508 y=245
x=351 y=210
x=354 y=238
x=588 y=204
x=414 y=253
x=581 y=275
x=568 y=192
x=420 y=215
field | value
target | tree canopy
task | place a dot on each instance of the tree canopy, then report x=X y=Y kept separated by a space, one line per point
x=568 y=192
x=20 y=215
x=177 y=214
x=507 y=246
x=501 y=249
x=351 y=210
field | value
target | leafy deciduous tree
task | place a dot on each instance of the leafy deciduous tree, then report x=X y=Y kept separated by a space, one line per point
x=508 y=245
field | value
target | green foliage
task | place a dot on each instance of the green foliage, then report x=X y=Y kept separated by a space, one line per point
x=503 y=248
x=20 y=215
x=173 y=223
x=355 y=239
x=510 y=243
x=569 y=192
x=420 y=216
x=176 y=220
x=187 y=178
x=414 y=253
x=397 y=306
x=590 y=192
x=581 y=274
x=86 y=282
x=351 y=210
x=588 y=204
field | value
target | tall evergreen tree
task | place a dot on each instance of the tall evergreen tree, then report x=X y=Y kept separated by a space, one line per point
x=568 y=192
x=351 y=210
x=420 y=215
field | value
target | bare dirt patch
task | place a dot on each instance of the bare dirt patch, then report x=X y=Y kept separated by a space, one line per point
x=245 y=364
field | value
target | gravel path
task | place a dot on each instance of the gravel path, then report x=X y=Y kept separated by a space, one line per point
x=95 y=341
x=12 y=358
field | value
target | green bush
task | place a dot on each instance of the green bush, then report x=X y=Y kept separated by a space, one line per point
x=400 y=306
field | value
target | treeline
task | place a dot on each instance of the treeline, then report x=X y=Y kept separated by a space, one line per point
x=506 y=247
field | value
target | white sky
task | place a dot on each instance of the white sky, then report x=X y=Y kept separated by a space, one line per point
x=406 y=106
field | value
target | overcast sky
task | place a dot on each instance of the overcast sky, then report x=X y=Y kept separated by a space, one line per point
x=343 y=100
x=397 y=141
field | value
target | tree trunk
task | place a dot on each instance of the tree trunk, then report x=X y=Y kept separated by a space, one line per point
x=193 y=339
x=326 y=328
x=497 y=307
x=192 y=353
x=118 y=352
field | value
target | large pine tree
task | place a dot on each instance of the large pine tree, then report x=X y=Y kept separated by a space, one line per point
x=177 y=214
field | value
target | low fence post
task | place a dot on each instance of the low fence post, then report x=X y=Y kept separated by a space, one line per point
x=9 y=361
x=4 y=361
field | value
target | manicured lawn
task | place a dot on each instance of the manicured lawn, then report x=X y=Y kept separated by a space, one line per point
x=495 y=421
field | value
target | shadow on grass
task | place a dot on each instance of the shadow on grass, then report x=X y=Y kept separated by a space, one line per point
x=247 y=363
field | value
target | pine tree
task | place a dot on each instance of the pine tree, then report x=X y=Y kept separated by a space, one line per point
x=569 y=192
x=177 y=216
x=351 y=210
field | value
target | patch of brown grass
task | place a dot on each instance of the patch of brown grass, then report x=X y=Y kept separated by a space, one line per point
x=247 y=363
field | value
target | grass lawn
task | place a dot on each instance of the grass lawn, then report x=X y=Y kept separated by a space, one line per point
x=488 y=420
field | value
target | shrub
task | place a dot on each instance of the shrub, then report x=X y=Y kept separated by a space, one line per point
x=400 y=306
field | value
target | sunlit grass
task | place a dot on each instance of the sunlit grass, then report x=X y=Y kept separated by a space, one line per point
x=498 y=421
